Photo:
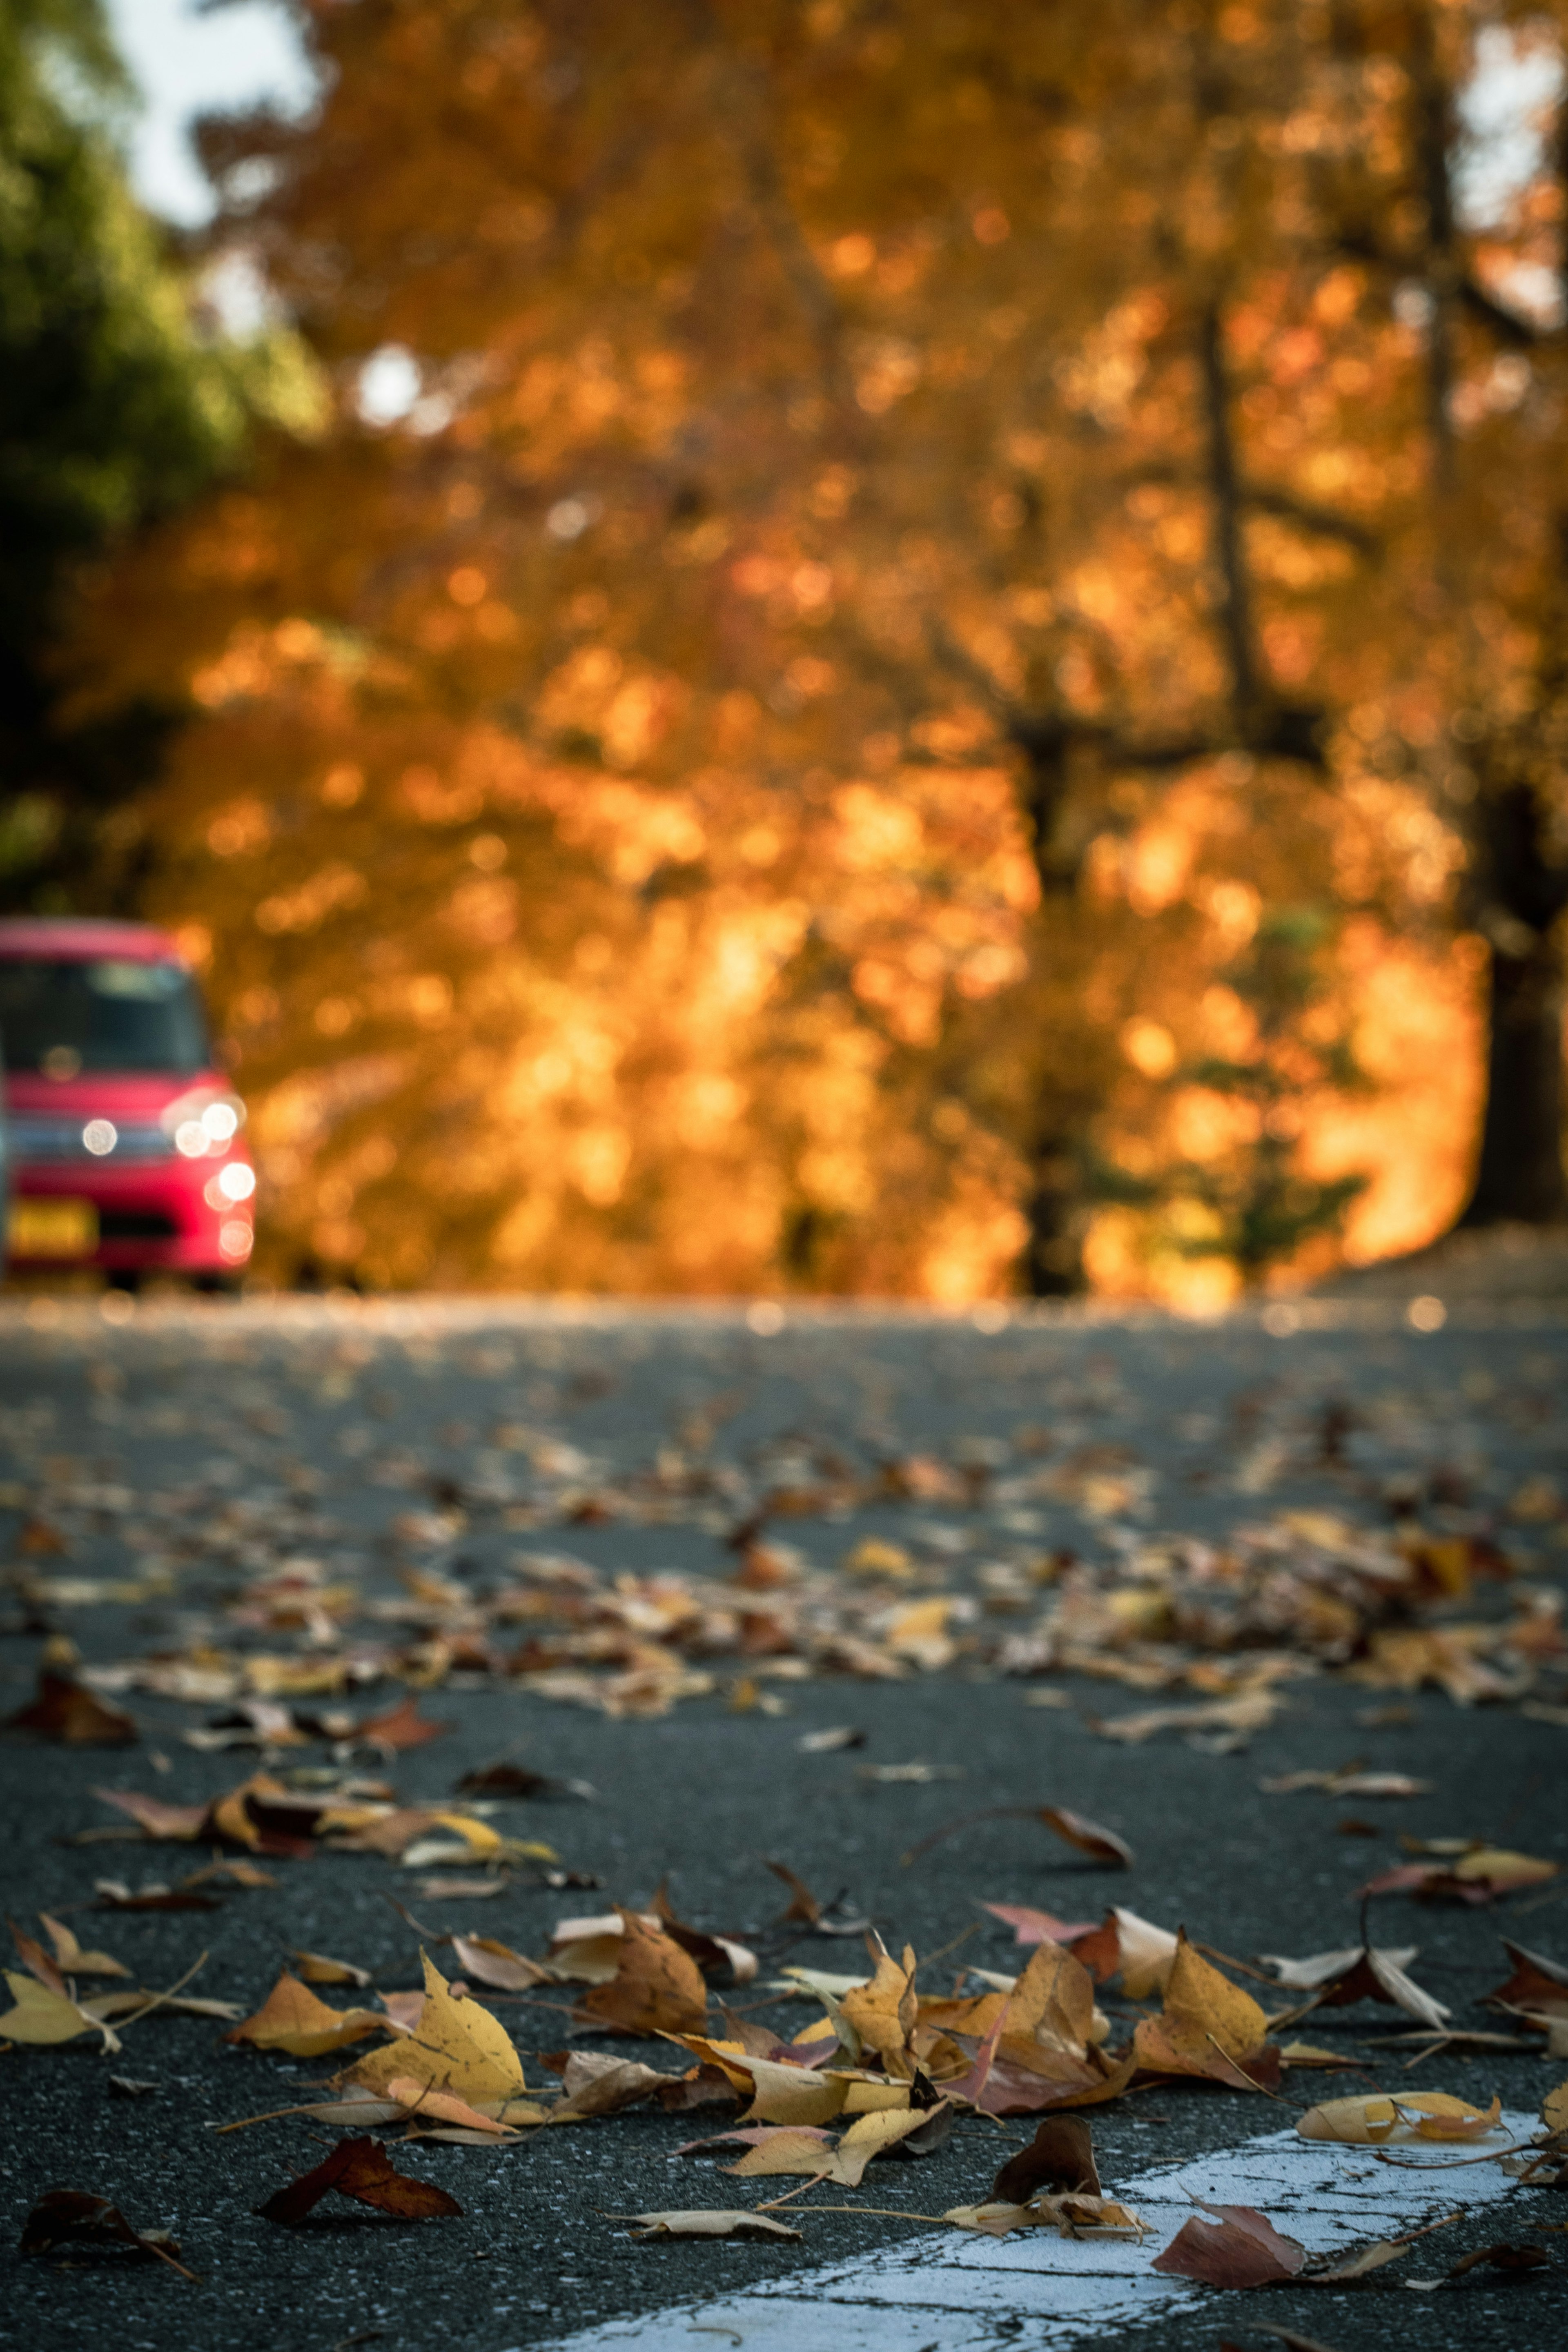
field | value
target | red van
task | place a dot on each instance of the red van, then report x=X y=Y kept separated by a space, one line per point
x=126 y=1139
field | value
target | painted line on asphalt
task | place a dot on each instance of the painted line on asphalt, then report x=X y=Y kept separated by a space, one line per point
x=946 y=2291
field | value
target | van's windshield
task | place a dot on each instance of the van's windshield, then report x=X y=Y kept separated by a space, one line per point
x=65 y=1015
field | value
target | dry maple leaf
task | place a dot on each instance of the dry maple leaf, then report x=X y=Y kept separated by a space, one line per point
x=598 y=2085
x=358 y=2169
x=428 y=2106
x=1071 y=2215
x=1142 y=1954
x=455 y=2045
x=1379 y=2121
x=706 y=2222
x=1500 y=2258
x=657 y=1987
x=69 y=2217
x=1554 y=2109
x=710 y=1952
x=1240 y=2249
x=1340 y=1979
x=1208 y=2027
x=67 y=1710
x=291 y=2018
x=1479 y=1874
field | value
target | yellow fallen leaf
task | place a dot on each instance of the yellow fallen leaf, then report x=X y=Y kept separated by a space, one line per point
x=71 y=1957
x=456 y=2045
x=1555 y=2108
x=1207 y=2025
x=1380 y=2122
x=42 y=2017
x=291 y=2018
x=317 y=1967
x=882 y=2012
x=1148 y=1954
x=1501 y=1869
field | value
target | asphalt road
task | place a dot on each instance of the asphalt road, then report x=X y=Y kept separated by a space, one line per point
x=297 y=1409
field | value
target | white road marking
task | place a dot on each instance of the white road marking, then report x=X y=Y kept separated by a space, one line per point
x=945 y=2290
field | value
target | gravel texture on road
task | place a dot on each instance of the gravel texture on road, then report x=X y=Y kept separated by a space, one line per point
x=299 y=1408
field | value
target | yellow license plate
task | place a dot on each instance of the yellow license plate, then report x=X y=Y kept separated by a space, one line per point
x=52 y=1228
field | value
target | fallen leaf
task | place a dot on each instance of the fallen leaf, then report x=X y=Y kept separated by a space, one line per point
x=400 y=1727
x=882 y=2011
x=1033 y=1927
x=656 y=1987
x=115 y=1895
x=43 y=2017
x=71 y=1957
x=126 y=2086
x=1537 y=1984
x=358 y=2169
x=66 y=1710
x=1071 y=2215
x=292 y=2019
x=487 y=1962
x=315 y=1967
x=830 y=1742
x=183 y=1823
x=1500 y=2258
x=706 y=2222
x=1101 y=1845
x=1208 y=2026
x=506 y=1780
x=1358 y=2265
x=1060 y=2156
x=444 y=2107
x=1554 y=2109
x=1479 y=1874
x=1133 y=1949
x=1240 y=2249
x=69 y=2217
x=455 y=2045
x=598 y=2085
x=1362 y=1974
x=1379 y=2121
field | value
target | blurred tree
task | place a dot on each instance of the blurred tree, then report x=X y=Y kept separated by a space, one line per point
x=116 y=404
x=868 y=577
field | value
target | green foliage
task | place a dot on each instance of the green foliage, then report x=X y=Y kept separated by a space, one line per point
x=115 y=408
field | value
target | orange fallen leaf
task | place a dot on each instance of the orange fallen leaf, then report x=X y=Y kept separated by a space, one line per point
x=1208 y=2027
x=1379 y=2121
x=1101 y=1845
x=358 y=2169
x=316 y=1968
x=292 y=2019
x=400 y=1727
x=70 y=1955
x=656 y=1987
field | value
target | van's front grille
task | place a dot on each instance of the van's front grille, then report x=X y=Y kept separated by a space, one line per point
x=39 y=1142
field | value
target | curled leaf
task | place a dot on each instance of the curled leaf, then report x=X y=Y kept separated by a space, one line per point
x=707 y=2223
x=292 y=2019
x=1241 y=2248
x=358 y=2169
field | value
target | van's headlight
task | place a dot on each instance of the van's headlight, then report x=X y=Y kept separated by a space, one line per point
x=202 y=1124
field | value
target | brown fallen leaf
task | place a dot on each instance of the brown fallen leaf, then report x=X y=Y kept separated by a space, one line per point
x=1101 y=1845
x=292 y=2019
x=705 y=2222
x=315 y=1967
x=358 y=2169
x=455 y=2045
x=183 y=1824
x=1537 y=1984
x=1501 y=2258
x=115 y=1895
x=487 y=1962
x=67 y=1710
x=506 y=1780
x=657 y=1987
x=1340 y=1979
x=69 y=2217
x=807 y=1911
x=1479 y=1874
x=1142 y=1954
x=1554 y=2109
x=70 y=1955
x=710 y=1952
x=1060 y=2156
x=1365 y=2260
x=598 y=2085
x=400 y=1727
x=428 y=2106
x=1241 y=2248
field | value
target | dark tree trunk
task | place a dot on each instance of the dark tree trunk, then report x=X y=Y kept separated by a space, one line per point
x=1053 y=1255
x=1052 y=1264
x=1519 y=1177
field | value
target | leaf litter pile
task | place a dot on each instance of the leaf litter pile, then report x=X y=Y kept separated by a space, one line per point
x=298 y=1647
